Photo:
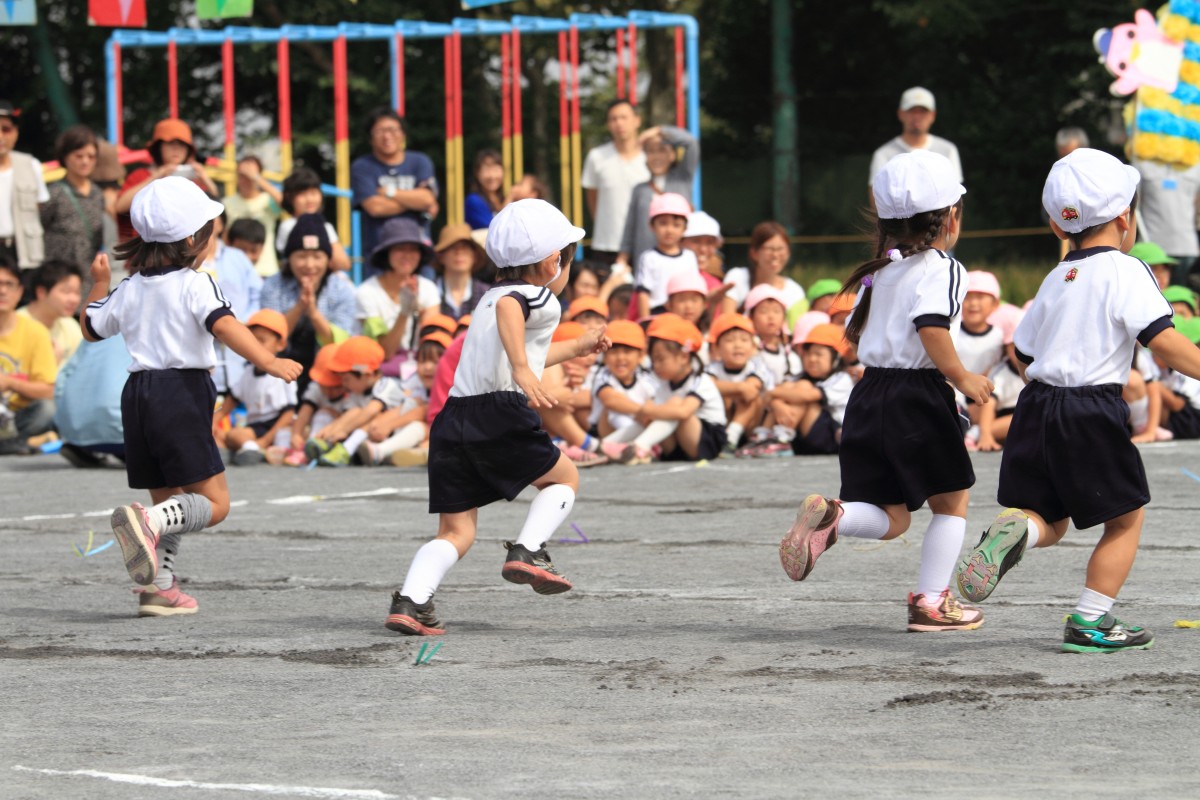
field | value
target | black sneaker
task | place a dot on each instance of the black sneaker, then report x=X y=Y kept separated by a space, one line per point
x=78 y=457
x=1105 y=635
x=14 y=446
x=411 y=619
x=534 y=568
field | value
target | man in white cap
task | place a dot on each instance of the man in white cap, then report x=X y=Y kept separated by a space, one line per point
x=917 y=112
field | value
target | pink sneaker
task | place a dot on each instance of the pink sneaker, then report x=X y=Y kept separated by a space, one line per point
x=612 y=449
x=813 y=532
x=633 y=455
x=941 y=613
x=584 y=458
x=155 y=602
x=135 y=533
x=970 y=444
x=295 y=458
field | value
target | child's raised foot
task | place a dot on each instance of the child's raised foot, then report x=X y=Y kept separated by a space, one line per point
x=1000 y=549
x=534 y=568
x=813 y=532
x=135 y=533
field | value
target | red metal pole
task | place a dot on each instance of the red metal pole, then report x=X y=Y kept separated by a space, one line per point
x=620 y=65
x=633 y=63
x=119 y=93
x=564 y=126
x=518 y=126
x=173 y=79
x=505 y=113
x=576 y=146
x=400 y=74
x=680 y=107
x=283 y=59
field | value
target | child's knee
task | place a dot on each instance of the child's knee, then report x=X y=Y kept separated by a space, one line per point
x=220 y=510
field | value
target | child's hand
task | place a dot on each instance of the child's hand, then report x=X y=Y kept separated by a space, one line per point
x=101 y=270
x=750 y=391
x=284 y=368
x=976 y=387
x=533 y=389
x=718 y=294
x=593 y=342
x=988 y=443
x=377 y=431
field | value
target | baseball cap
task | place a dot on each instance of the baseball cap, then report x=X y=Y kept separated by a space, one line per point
x=584 y=304
x=670 y=203
x=626 y=332
x=270 y=319
x=823 y=288
x=701 y=223
x=357 y=354
x=309 y=234
x=805 y=323
x=527 y=231
x=1151 y=253
x=171 y=209
x=7 y=110
x=674 y=328
x=913 y=183
x=320 y=371
x=1088 y=187
x=979 y=280
x=728 y=322
x=1189 y=328
x=1180 y=294
x=566 y=331
x=917 y=96
x=687 y=281
x=829 y=335
x=764 y=291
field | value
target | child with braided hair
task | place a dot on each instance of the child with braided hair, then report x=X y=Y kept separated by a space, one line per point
x=902 y=436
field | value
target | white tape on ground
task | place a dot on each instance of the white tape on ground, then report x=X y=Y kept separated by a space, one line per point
x=259 y=788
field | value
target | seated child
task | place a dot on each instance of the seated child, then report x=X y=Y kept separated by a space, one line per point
x=822 y=293
x=269 y=401
x=621 y=387
x=1179 y=396
x=839 y=310
x=669 y=214
x=357 y=362
x=740 y=375
x=590 y=312
x=567 y=382
x=249 y=236
x=766 y=308
x=323 y=401
x=1007 y=384
x=980 y=344
x=403 y=426
x=808 y=412
x=686 y=419
x=1161 y=264
x=302 y=195
x=703 y=237
x=1182 y=300
x=56 y=287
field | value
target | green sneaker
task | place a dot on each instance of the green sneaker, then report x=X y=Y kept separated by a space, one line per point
x=1105 y=635
x=336 y=456
x=315 y=448
x=999 y=550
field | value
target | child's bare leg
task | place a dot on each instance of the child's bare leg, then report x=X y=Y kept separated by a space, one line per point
x=1000 y=428
x=789 y=414
x=808 y=417
x=1114 y=554
x=560 y=422
x=236 y=437
x=687 y=437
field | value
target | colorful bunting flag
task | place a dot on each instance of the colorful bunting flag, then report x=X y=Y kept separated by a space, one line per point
x=18 y=12
x=223 y=9
x=117 y=13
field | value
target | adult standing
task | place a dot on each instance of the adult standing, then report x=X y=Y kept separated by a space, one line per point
x=172 y=153
x=391 y=180
x=917 y=113
x=672 y=156
x=1166 y=214
x=610 y=173
x=22 y=188
x=73 y=218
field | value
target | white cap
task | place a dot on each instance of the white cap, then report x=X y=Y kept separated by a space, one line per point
x=701 y=223
x=527 y=231
x=171 y=209
x=917 y=96
x=912 y=183
x=1088 y=187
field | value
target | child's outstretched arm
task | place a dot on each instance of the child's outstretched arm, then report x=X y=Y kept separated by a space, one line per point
x=510 y=322
x=940 y=347
x=238 y=338
x=101 y=275
x=1177 y=351
x=591 y=342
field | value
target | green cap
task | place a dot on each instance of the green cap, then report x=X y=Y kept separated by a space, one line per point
x=823 y=288
x=1180 y=294
x=1190 y=328
x=1151 y=253
x=798 y=309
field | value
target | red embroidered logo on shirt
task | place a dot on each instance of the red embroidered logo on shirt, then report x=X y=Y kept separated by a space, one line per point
x=1072 y=275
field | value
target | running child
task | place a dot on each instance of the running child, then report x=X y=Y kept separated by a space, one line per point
x=168 y=313
x=1068 y=456
x=902 y=443
x=808 y=413
x=269 y=401
x=486 y=443
x=740 y=376
x=669 y=214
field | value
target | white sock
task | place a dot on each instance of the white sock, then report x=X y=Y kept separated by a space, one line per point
x=734 y=431
x=1033 y=535
x=1093 y=605
x=624 y=435
x=655 y=432
x=354 y=440
x=429 y=566
x=760 y=434
x=939 y=553
x=168 y=548
x=863 y=521
x=182 y=513
x=410 y=435
x=548 y=510
x=783 y=433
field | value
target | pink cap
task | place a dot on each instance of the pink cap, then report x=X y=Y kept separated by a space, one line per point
x=687 y=281
x=670 y=203
x=805 y=323
x=985 y=282
x=1007 y=317
x=764 y=291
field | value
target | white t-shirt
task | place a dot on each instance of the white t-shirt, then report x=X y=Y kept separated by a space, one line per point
x=375 y=311
x=754 y=368
x=703 y=388
x=1008 y=386
x=316 y=398
x=740 y=278
x=980 y=352
x=484 y=366
x=935 y=144
x=655 y=268
x=836 y=393
x=1185 y=387
x=641 y=390
x=7 y=227
x=264 y=396
x=1085 y=321
x=927 y=288
x=166 y=317
x=285 y=230
x=404 y=394
x=783 y=363
x=613 y=178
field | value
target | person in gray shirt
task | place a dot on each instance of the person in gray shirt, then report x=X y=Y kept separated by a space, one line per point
x=917 y=112
x=1166 y=214
x=672 y=155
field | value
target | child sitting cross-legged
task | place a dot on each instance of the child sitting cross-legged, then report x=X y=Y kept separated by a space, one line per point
x=269 y=401
x=324 y=399
x=403 y=426
x=765 y=306
x=808 y=412
x=621 y=386
x=567 y=383
x=740 y=375
x=357 y=361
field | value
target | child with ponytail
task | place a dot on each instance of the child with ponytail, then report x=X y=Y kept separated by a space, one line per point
x=902 y=438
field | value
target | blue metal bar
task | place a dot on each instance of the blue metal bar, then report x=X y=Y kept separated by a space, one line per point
x=598 y=22
x=332 y=191
x=526 y=24
x=110 y=73
x=480 y=27
x=356 y=261
x=393 y=57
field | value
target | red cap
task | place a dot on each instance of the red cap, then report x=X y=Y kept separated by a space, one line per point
x=567 y=331
x=581 y=304
x=626 y=332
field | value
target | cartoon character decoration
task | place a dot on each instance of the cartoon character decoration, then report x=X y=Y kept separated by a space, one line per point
x=1139 y=54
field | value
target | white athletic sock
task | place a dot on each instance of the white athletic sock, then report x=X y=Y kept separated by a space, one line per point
x=250 y=445
x=734 y=431
x=1034 y=533
x=354 y=440
x=760 y=434
x=624 y=435
x=168 y=548
x=863 y=521
x=783 y=433
x=1093 y=605
x=410 y=435
x=655 y=432
x=939 y=553
x=182 y=513
x=548 y=510
x=429 y=566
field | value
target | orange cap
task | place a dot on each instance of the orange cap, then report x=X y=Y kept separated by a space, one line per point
x=728 y=322
x=446 y=323
x=171 y=130
x=829 y=335
x=674 y=328
x=357 y=354
x=842 y=304
x=626 y=332
x=567 y=331
x=270 y=319
x=581 y=304
x=441 y=337
x=320 y=371
x=464 y=321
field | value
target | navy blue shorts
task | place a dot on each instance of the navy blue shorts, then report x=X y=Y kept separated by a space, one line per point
x=260 y=428
x=1068 y=454
x=902 y=439
x=712 y=441
x=168 y=418
x=822 y=438
x=1185 y=423
x=485 y=448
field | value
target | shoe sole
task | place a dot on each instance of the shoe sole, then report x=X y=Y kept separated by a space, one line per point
x=1080 y=648
x=402 y=623
x=966 y=626
x=796 y=546
x=979 y=573
x=591 y=462
x=248 y=458
x=165 y=611
x=141 y=562
x=540 y=580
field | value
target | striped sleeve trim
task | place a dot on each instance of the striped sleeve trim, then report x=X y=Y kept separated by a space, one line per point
x=541 y=299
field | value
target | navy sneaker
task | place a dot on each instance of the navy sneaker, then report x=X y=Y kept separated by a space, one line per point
x=1105 y=635
x=411 y=619
x=533 y=567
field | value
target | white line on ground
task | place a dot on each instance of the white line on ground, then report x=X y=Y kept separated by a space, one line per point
x=259 y=788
